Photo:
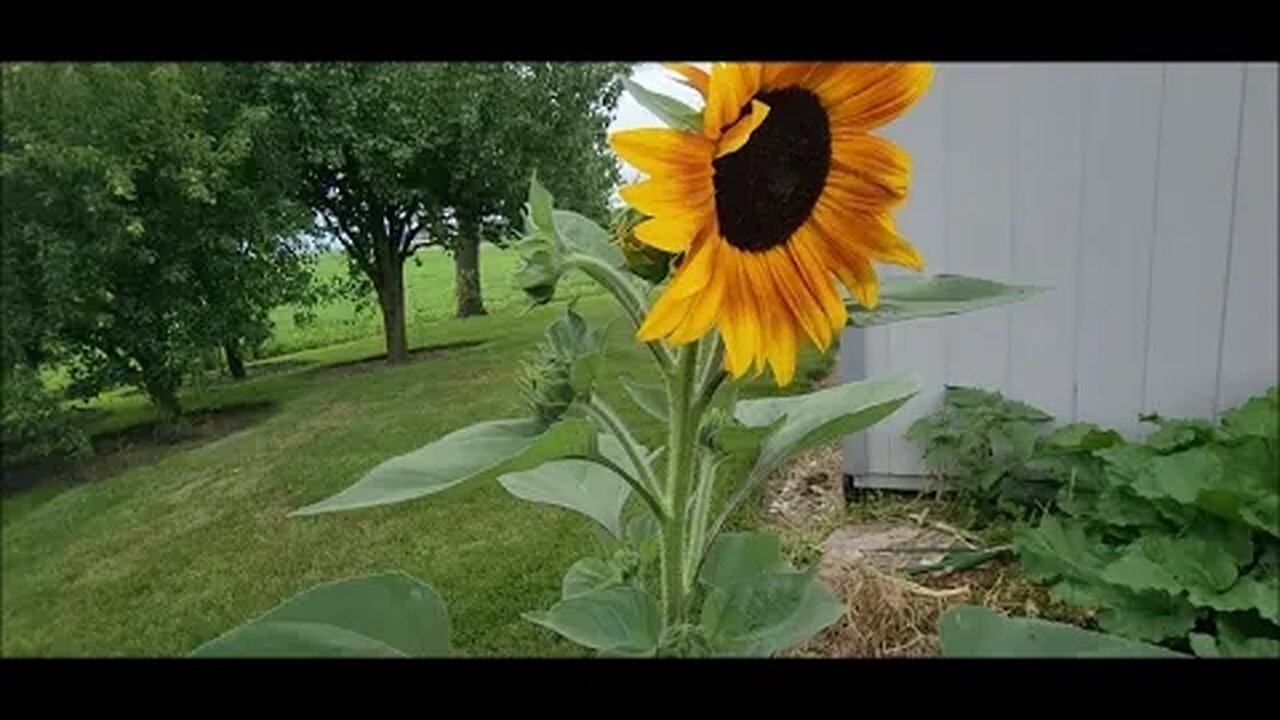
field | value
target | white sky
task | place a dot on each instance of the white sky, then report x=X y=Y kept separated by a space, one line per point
x=631 y=115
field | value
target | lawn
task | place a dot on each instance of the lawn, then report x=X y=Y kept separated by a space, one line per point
x=428 y=281
x=166 y=548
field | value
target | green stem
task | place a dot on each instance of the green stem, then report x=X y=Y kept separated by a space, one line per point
x=680 y=459
x=608 y=420
x=700 y=513
x=624 y=291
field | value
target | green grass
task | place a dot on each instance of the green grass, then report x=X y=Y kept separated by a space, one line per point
x=428 y=283
x=159 y=555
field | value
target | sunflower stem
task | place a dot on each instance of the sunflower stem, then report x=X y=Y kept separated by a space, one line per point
x=625 y=293
x=681 y=450
x=608 y=420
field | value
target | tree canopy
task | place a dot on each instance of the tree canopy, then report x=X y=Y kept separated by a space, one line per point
x=146 y=220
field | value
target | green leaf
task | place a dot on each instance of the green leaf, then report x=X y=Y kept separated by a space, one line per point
x=387 y=615
x=736 y=557
x=581 y=235
x=483 y=450
x=1254 y=591
x=620 y=619
x=1173 y=565
x=976 y=632
x=1233 y=641
x=1259 y=417
x=587 y=576
x=1085 y=437
x=1055 y=550
x=1013 y=442
x=650 y=397
x=580 y=485
x=822 y=416
x=540 y=204
x=768 y=613
x=1175 y=435
x=669 y=110
x=1152 y=616
x=911 y=298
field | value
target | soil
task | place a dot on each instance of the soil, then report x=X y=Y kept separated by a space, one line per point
x=863 y=557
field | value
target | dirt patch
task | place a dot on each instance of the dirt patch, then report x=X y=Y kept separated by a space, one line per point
x=115 y=452
x=864 y=557
x=373 y=363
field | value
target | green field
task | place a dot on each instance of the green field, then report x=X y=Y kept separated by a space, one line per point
x=164 y=548
x=428 y=281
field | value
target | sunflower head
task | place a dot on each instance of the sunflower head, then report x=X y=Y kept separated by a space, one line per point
x=781 y=194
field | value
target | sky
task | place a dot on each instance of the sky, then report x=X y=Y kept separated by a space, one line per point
x=631 y=115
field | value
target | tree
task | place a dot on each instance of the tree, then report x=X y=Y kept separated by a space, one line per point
x=505 y=120
x=146 y=206
x=363 y=137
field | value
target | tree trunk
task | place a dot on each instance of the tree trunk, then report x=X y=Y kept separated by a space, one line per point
x=466 y=267
x=163 y=393
x=391 y=298
x=235 y=363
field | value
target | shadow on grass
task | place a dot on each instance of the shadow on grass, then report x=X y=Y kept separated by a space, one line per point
x=117 y=450
x=371 y=363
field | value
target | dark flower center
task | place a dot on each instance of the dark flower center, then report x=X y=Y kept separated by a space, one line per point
x=766 y=190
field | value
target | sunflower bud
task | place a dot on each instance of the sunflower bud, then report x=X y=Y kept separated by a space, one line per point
x=542 y=264
x=562 y=368
x=714 y=422
x=642 y=260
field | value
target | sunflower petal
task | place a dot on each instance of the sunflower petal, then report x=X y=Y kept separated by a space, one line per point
x=861 y=189
x=662 y=151
x=671 y=195
x=732 y=86
x=671 y=233
x=854 y=270
x=792 y=289
x=696 y=77
x=737 y=136
x=868 y=95
x=704 y=308
x=665 y=315
x=777 y=339
x=878 y=169
x=778 y=75
x=872 y=234
x=738 y=322
x=804 y=250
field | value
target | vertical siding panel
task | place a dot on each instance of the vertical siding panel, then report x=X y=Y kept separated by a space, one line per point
x=919 y=346
x=1249 y=335
x=979 y=219
x=1122 y=113
x=1193 y=222
x=1046 y=212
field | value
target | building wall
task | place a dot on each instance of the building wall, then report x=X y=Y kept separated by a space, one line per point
x=1144 y=195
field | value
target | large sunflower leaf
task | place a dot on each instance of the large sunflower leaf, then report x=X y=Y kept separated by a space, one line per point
x=580 y=485
x=387 y=615
x=912 y=298
x=822 y=416
x=975 y=631
x=483 y=450
x=767 y=613
x=619 y=619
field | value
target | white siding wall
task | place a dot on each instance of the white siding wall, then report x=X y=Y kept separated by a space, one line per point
x=1143 y=194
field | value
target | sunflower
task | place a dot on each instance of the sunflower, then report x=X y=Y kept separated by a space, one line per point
x=783 y=192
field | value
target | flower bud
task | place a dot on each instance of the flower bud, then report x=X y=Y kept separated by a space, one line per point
x=642 y=260
x=562 y=368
